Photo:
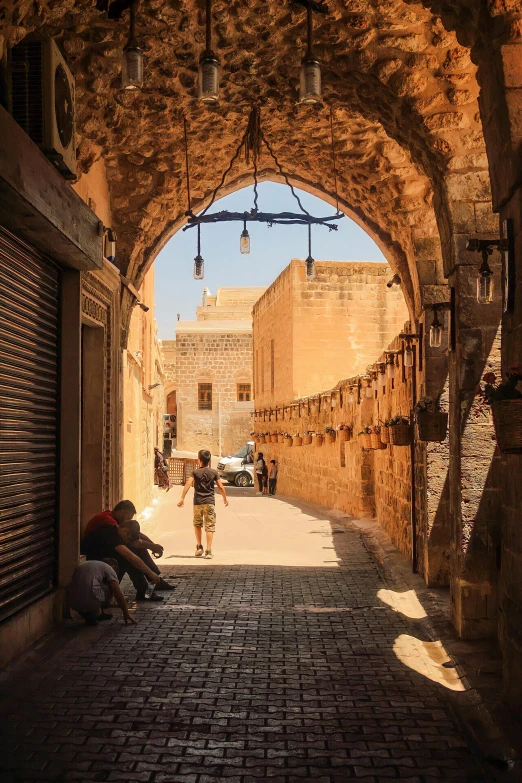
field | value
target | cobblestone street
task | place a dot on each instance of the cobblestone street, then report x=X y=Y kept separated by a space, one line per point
x=248 y=671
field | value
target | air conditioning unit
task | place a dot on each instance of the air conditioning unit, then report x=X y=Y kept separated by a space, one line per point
x=42 y=100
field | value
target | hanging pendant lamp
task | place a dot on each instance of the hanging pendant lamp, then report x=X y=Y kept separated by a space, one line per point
x=208 y=64
x=310 y=263
x=132 y=60
x=199 y=263
x=310 y=76
x=244 y=240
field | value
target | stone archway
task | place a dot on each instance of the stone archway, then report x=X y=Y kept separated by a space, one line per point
x=412 y=157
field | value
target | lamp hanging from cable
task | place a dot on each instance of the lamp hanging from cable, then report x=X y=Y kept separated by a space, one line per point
x=310 y=76
x=251 y=145
x=485 y=280
x=244 y=240
x=132 y=60
x=199 y=263
x=208 y=64
x=310 y=263
x=435 y=329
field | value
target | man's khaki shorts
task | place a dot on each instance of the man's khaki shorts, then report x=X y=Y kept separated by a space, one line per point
x=206 y=513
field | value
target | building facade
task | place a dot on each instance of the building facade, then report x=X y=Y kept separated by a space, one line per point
x=168 y=350
x=143 y=399
x=214 y=372
x=309 y=333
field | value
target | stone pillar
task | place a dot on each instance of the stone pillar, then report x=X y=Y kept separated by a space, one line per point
x=474 y=462
x=70 y=427
x=432 y=459
x=500 y=75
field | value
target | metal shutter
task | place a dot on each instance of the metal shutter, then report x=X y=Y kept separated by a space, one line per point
x=29 y=298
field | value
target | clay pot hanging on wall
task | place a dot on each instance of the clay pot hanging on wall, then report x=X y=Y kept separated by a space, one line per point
x=507 y=419
x=432 y=426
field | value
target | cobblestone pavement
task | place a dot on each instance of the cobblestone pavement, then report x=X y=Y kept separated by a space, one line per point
x=245 y=673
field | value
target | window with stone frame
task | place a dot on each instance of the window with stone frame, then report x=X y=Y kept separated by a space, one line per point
x=244 y=392
x=204 y=396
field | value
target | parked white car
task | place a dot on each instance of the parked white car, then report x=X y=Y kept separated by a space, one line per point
x=238 y=468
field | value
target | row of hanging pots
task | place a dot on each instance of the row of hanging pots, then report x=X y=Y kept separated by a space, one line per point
x=343 y=433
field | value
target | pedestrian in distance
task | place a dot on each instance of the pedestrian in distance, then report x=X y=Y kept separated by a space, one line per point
x=272 y=477
x=161 y=470
x=265 y=480
x=93 y=584
x=204 y=479
x=260 y=471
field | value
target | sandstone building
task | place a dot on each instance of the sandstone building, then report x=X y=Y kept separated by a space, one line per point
x=168 y=350
x=214 y=372
x=308 y=333
x=143 y=400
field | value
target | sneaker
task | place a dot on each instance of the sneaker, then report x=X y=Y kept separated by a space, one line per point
x=208 y=554
x=163 y=585
x=154 y=597
x=199 y=551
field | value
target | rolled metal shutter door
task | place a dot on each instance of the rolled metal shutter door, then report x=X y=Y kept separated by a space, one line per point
x=29 y=301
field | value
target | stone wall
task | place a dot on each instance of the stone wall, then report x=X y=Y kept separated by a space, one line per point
x=143 y=406
x=219 y=354
x=343 y=475
x=168 y=350
x=322 y=329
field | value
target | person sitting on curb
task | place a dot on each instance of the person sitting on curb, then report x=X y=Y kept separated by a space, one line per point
x=93 y=584
x=115 y=541
x=123 y=512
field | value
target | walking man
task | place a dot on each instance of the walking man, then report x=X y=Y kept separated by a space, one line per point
x=203 y=480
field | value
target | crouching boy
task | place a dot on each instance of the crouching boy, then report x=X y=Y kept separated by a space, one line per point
x=93 y=585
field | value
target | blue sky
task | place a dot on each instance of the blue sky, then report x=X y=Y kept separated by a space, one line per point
x=271 y=250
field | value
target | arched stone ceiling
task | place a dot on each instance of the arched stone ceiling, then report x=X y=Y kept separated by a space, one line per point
x=403 y=91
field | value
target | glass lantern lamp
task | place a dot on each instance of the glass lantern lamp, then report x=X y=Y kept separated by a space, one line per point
x=351 y=395
x=375 y=383
x=132 y=60
x=485 y=282
x=390 y=367
x=310 y=76
x=208 y=78
x=436 y=332
x=408 y=356
x=382 y=375
x=244 y=240
x=310 y=268
x=310 y=82
x=199 y=268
